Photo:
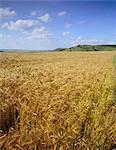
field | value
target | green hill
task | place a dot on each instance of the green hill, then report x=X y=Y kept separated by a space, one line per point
x=89 y=48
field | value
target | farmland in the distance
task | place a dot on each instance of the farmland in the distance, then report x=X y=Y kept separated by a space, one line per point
x=57 y=101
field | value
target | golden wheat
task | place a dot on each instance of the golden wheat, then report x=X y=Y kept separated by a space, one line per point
x=57 y=101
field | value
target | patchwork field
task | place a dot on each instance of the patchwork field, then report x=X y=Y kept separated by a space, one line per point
x=57 y=101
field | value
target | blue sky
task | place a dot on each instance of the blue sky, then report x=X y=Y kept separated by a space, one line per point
x=37 y=25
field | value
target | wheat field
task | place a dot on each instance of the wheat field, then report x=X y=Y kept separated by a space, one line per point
x=57 y=101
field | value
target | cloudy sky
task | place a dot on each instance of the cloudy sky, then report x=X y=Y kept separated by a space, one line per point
x=44 y=25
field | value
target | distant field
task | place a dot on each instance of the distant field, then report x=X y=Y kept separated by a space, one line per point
x=57 y=101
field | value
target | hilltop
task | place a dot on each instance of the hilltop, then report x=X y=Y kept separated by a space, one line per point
x=89 y=48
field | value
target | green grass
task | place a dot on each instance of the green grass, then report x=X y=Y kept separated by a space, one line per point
x=89 y=48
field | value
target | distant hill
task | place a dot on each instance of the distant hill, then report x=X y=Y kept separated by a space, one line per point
x=89 y=48
x=76 y=48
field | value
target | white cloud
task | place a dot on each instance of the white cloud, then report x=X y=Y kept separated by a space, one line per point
x=79 y=37
x=38 y=33
x=7 y=41
x=65 y=33
x=34 y=13
x=81 y=41
x=2 y=36
x=20 y=24
x=111 y=43
x=45 y=18
x=40 y=39
x=81 y=22
x=62 y=13
x=6 y=12
x=68 y=25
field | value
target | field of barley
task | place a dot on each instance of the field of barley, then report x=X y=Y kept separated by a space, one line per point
x=57 y=100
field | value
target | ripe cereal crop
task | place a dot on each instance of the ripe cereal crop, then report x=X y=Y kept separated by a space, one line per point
x=57 y=101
